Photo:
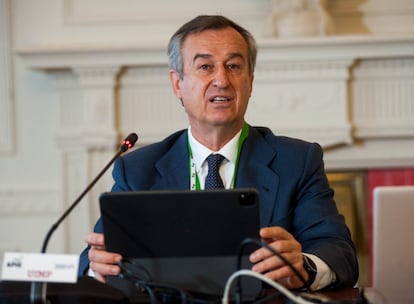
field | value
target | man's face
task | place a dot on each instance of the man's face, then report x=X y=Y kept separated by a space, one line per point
x=216 y=83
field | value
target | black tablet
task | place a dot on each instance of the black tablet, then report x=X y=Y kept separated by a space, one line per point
x=188 y=240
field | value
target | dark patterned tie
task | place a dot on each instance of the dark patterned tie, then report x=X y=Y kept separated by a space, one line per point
x=213 y=179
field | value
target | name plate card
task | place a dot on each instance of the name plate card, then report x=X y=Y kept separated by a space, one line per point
x=58 y=268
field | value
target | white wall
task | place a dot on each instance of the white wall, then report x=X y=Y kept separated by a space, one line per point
x=33 y=189
x=29 y=164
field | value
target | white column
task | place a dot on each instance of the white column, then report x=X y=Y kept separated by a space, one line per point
x=87 y=138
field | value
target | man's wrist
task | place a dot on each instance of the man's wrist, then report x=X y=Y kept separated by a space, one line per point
x=310 y=268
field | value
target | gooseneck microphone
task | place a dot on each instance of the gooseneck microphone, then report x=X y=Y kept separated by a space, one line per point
x=38 y=289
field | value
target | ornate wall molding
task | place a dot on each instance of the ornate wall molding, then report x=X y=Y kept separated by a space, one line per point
x=147 y=105
x=87 y=107
x=311 y=81
x=383 y=98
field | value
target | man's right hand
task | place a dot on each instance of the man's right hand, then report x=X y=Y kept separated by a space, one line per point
x=102 y=263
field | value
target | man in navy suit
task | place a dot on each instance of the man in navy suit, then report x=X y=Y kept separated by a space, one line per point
x=212 y=63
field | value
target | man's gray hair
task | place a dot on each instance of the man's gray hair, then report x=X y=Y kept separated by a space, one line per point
x=200 y=24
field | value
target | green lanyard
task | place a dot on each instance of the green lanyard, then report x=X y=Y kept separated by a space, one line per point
x=194 y=180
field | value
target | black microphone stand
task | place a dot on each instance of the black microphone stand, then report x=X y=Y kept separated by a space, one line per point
x=38 y=289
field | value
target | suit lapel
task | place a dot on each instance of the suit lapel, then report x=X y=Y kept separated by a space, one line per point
x=173 y=167
x=255 y=172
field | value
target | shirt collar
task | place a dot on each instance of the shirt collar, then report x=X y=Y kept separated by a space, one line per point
x=200 y=152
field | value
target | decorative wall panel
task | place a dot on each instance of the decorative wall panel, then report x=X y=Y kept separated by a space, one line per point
x=147 y=104
x=383 y=100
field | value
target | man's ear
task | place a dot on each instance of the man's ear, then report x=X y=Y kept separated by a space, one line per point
x=251 y=83
x=175 y=83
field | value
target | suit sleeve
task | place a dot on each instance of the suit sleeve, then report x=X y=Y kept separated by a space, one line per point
x=120 y=185
x=317 y=224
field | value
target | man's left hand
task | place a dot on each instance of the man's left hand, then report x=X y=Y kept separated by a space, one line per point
x=273 y=267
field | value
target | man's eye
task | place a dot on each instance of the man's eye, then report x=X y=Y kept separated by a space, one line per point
x=233 y=66
x=204 y=67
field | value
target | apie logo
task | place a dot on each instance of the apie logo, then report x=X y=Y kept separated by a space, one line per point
x=15 y=262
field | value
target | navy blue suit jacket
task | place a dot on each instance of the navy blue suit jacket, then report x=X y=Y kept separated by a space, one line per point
x=289 y=175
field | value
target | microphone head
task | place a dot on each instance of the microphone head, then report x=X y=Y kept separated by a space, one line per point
x=129 y=142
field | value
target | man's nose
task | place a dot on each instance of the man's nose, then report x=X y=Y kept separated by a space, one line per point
x=221 y=77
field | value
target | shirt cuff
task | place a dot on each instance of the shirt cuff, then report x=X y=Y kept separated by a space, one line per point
x=91 y=273
x=324 y=275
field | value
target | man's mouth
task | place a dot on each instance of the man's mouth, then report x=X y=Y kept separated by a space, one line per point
x=220 y=99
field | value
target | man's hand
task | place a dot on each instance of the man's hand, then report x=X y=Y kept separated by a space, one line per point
x=272 y=266
x=102 y=263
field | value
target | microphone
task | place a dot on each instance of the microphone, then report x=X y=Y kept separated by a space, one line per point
x=38 y=289
x=128 y=143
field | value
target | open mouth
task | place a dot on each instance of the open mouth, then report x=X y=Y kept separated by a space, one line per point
x=220 y=99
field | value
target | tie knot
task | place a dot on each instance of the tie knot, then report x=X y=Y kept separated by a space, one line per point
x=214 y=160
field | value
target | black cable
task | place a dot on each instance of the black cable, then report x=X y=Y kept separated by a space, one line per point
x=129 y=273
x=164 y=287
x=134 y=269
x=247 y=241
x=148 y=290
